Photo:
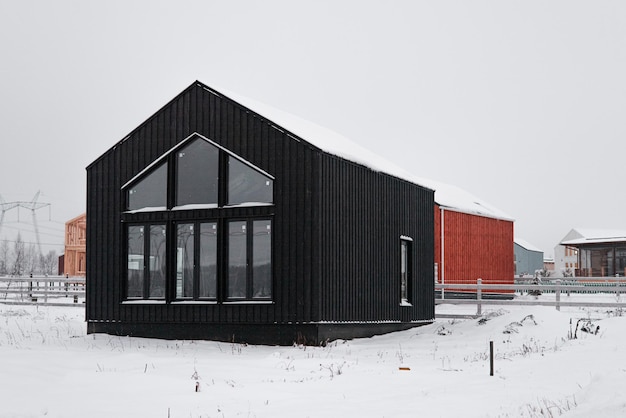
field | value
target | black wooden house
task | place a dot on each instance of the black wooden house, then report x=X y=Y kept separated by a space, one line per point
x=212 y=221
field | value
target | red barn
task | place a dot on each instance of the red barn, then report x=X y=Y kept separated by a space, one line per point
x=472 y=239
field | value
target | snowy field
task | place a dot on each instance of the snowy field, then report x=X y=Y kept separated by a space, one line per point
x=49 y=367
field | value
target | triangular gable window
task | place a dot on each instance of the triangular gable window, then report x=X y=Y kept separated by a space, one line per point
x=197 y=168
x=150 y=192
x=195 y=180
x=247 y=185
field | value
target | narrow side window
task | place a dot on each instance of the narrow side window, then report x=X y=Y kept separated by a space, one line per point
x=405 y=271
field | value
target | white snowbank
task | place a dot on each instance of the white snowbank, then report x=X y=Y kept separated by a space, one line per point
x=51 y=368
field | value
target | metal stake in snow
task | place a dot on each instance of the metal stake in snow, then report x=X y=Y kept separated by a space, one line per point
x=490 y=358
x=479 y=297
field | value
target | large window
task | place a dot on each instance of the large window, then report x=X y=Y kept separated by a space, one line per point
x=196 y=260
x=146 y=261
x=204 y=175
x=237 y=260
x=261 y=259
x=185 y=261
x=197 y=166
x=190 y=235
x=249 y=259
x=603 y=261
x=247 y=185
x=150 y=191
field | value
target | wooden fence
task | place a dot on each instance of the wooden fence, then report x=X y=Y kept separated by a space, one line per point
x=43 y=290
x=477 y=294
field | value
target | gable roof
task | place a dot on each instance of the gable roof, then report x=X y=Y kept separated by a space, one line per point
x=333 y=143
x=526 y=245
x=80 y=217
x=459 y=200
x=578 y=236
x=328 y=141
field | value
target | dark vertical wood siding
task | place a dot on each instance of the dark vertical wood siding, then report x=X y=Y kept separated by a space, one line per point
x=474 y=247
x=295 y=166
x=336 y=225
x=364 y=215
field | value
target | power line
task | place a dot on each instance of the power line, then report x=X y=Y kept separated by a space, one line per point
x=28 y=224
x=33 y=205
x=29 y=228
x=34 y=243
x=62 y=236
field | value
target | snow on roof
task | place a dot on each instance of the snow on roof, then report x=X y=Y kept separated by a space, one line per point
x=333 y=143
x=455 y=198
x=594 y=236
x=525 y=244
x=320 y=137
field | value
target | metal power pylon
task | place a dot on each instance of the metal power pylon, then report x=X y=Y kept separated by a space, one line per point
x=33 y=205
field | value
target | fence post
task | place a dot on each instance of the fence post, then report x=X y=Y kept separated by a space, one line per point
x=558 y=294
x=479 y=297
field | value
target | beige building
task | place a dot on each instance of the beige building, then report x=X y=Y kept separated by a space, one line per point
x=75 y=246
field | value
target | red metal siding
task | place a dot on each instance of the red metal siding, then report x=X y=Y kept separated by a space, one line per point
x=474 y=247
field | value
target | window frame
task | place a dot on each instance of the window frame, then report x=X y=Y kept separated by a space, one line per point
x=151 y=170
x=250 y=278
x=196 y=271
x=146 y=271
x=197 y=214
x=169 y=158
x=179 y=168
x=406 y=270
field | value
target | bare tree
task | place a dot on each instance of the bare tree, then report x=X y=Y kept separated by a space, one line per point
x=4 y=257
x=31 y=259
x=49 y=263
x=19 y=256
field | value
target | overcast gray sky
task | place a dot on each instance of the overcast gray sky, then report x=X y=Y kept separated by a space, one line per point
x=521 y=103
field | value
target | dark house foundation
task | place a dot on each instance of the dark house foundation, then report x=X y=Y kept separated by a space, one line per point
x=265 y=334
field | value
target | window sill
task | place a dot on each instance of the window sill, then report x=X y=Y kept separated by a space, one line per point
x=143 y=302
x=248 y=205
x=198 y=206
x=194 y=302
x=248 y=302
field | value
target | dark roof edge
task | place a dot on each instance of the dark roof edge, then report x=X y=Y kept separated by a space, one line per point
x=97 y=160
x=199 y=84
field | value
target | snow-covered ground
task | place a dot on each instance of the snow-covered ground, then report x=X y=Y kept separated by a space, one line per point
x=50 y=367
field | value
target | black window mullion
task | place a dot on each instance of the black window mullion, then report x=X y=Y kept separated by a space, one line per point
x=249 y=259
x=222 y=179
x=172 y=165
